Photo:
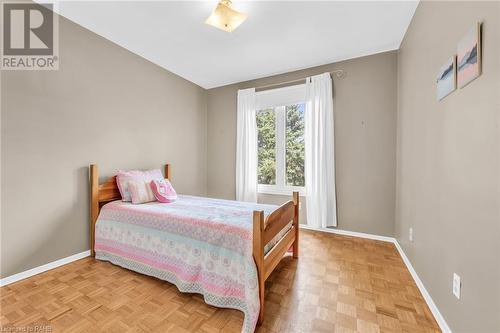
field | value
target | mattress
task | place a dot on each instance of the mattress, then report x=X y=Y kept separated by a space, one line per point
x=201 y=245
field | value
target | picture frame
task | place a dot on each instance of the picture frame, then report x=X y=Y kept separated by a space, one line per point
x=446 y=80
x=469 y=56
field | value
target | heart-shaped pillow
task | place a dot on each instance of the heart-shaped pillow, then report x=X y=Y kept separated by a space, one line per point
x=163 y=190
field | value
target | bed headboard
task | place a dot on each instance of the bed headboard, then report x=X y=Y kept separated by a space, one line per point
x=103 y=193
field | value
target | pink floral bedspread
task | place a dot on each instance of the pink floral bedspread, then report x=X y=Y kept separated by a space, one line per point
x=199 y=244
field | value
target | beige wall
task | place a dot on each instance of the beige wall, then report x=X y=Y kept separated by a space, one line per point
x=104 y=105
x=365 y=140
x=448 y=168
x=111 y=107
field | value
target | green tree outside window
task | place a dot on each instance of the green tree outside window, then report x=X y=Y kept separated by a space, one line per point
x=293 y=141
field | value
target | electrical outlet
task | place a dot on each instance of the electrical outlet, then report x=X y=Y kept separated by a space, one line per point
x=410 y=234
x=457 y=285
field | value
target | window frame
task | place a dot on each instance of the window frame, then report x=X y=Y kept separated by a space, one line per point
x=278 y=100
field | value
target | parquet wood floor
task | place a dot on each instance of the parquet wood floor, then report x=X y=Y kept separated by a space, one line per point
x=339 y=284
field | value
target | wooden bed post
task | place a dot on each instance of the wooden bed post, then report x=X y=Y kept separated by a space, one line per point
x=94 y=204
x=264 y=231
x=168 y=171
x=296 y=224
x=258 y=254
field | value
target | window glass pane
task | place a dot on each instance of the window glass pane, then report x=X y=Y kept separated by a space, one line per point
x=295 y=145
x=266 y=126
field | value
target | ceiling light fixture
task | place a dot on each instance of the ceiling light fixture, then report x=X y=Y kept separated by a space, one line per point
x=224 y=17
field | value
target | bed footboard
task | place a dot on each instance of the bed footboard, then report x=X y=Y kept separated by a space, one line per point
x=264 y=230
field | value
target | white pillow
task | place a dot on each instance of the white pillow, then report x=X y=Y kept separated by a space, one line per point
x=123 y=177
x=140 y=191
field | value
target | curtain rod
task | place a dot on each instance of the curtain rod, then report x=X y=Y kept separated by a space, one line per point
x=340 y=74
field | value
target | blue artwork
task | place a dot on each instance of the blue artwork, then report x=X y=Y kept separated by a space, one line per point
x=469 y=56
x=446 y=79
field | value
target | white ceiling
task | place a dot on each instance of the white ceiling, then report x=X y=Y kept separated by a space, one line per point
x=277 y=37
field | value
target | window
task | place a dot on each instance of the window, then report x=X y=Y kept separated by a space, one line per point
x=294 y=145
x=266 y=126
x=281 y=145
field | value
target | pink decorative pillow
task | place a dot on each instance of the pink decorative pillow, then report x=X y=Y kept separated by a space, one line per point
x=163 y=190
x=123 y=178
x=140 y=191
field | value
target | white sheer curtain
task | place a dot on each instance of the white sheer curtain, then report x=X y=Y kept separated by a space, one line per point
x=246 y=146
x=319 y=152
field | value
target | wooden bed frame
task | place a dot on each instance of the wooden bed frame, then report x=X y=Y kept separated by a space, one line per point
x=264 y=230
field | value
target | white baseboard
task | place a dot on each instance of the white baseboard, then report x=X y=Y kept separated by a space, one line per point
x=427 y=297
x=40 y=269
x=349 y=233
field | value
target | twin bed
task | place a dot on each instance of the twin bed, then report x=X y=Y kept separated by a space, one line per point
x=224 y=250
